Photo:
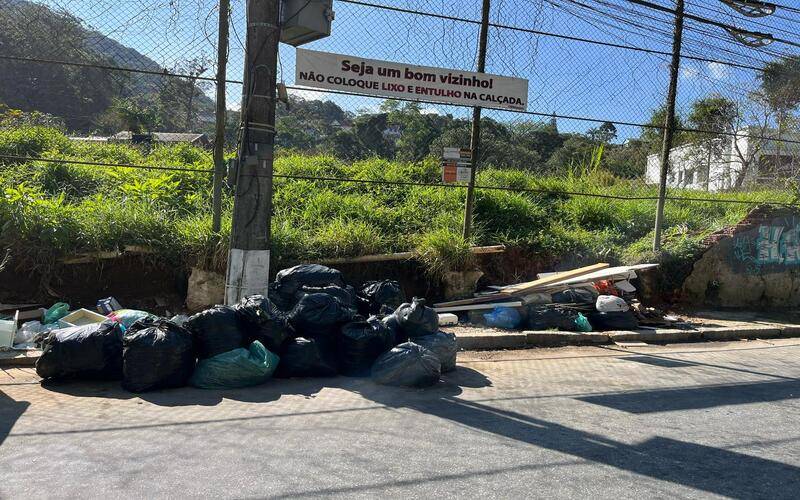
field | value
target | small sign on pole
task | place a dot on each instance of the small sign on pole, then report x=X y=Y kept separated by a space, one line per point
x=456 y=165
x=457 y=154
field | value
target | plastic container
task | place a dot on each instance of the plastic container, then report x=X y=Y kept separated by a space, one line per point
x=81 y=317
x=8 y=329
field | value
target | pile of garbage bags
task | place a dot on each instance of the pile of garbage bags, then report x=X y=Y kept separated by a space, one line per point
x=312 y=325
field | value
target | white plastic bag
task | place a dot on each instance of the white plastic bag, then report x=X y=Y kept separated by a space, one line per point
x=611 y=303
x=27 y=332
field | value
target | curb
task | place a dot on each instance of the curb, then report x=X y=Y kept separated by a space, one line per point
x=549 y=338
x=19 y=359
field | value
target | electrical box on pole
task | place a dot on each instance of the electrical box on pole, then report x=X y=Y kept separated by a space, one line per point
x=304 y=21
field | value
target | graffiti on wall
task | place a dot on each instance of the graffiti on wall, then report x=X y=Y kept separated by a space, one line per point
x=770 y=247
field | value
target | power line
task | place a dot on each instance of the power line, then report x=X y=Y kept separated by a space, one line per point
x=416 y=183
x=703 y=20
x=330 y=91
x=624 y=15
x=105 y=165
x=545 y=33
x=754 y=21
x=111 y=68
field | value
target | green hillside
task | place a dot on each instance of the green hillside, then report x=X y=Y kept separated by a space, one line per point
x=81 y=96
x=51 y=210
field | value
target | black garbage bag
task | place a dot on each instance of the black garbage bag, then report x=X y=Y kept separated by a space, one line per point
x=390 y=321
x=443 y=345
x=360 y=344
x=345 y=295
x=417 y=319
x=157 y=354
x=86 y=352
x=215 y=331
x=618 y=320
x=264 y=322
x=575 y=296
x=409 y=365
x=285 y=304
x=308 y=357
x=319 y=314
x=378 y=294
x=546 y=318
x=289 y=281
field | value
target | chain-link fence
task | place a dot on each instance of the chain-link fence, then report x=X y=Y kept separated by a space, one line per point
x=598 y=73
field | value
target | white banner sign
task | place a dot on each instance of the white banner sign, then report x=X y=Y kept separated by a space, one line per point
x=324 y=70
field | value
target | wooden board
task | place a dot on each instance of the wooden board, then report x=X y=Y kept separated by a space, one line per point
x=477 y=307
x=495 y=297
x=521 y=288
x=611 y=273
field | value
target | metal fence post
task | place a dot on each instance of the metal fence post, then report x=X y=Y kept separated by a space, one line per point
x=475 y=140
x=219 y=136
x=669 y=125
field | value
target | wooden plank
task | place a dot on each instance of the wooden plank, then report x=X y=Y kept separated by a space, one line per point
x=532 y=285
x=611 y=273
x=401 y=256
x=477 y=307
x=475 y=300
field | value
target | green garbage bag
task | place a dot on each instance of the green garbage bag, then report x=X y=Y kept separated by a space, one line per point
x=582 y=323
x=237 y=368
x=55 y=313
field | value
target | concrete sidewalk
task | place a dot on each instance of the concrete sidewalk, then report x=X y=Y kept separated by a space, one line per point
x=703 y=326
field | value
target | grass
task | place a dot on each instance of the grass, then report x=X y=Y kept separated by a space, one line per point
x=50 y=210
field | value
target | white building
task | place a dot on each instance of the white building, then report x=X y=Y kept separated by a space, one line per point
x=716 y=165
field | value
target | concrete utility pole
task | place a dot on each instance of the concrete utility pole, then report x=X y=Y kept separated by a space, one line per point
x=669 y=125
x=475 y=140
x=248 y=260
x=219 y=136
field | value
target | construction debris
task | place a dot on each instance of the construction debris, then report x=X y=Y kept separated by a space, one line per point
x=596 y=297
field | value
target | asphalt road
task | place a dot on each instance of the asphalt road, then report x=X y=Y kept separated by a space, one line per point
x=690 y=421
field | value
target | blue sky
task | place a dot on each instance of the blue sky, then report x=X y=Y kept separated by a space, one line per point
x=566 y=77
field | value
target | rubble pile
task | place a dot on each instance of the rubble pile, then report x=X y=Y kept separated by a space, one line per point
x=592 y=298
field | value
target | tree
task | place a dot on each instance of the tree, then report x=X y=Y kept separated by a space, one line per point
x=576 y=152
x=712 y=116
x=307 y=124
x=127 y=114
x=751 y=126
x=725 y=125
x=627 y=160
x=369 y=131
x=653 y=137
x=780 y=88
x=603 y=134
x=417 y=129
x=540 y=139
x=715 y=114
x=780 y=83
x=345 y=145
x=183 y=93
